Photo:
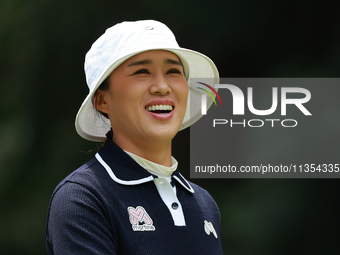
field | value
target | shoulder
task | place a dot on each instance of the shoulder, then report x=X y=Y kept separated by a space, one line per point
x=84 y=187
x=83 y=175
x=81 y=186
x=78 y=204
x=90 y=176
x=203 y=196
x=201 y=191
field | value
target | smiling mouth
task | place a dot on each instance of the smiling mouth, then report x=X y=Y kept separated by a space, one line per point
x=160 y=109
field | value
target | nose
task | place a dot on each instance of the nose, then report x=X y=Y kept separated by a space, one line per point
x=160 y=86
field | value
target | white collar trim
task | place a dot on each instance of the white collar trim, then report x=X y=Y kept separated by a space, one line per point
x=140 y=181
x=114 y=177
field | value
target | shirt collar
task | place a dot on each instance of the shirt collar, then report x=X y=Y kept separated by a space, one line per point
x=124 y=170
x=154 y=168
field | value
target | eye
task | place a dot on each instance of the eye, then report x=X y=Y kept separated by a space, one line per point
x=174 y=70
x=141 y=71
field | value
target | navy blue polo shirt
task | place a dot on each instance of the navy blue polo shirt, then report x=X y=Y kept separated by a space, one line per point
x=111 y=205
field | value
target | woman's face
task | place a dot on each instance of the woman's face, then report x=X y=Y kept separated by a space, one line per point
x=147 y=97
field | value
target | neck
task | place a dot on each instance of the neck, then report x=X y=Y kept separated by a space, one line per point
x=153 y=151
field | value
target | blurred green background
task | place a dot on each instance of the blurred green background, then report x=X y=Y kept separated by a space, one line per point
x=42 y=85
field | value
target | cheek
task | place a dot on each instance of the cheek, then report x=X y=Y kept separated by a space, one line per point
x=121 y=95
x=184 y=92
x=126 y=101
x=182 y=96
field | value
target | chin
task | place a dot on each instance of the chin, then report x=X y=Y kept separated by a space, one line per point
x=164 y=135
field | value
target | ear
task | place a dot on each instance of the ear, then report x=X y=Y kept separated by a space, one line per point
x=99 y=101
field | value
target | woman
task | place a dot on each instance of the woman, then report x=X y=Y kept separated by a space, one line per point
x=131 y=198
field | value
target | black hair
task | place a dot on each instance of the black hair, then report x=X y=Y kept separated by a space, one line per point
x=109 y=134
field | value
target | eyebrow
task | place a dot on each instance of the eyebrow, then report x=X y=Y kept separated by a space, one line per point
x=174 y=62
x=149 y=61
x=142 y=62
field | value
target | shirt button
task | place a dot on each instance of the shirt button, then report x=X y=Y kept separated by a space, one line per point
x=174 y=206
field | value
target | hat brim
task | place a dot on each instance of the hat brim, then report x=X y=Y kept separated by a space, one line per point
x=91 y=125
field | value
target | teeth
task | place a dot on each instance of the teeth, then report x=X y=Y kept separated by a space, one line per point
x=159 y=107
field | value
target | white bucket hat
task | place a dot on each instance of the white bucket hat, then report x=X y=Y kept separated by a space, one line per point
x=118 y=44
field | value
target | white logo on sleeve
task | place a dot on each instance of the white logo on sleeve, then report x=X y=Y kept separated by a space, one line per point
x=209 y=228
x=140 y=219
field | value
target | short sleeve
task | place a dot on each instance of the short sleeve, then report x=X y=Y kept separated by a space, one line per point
x=76 y=223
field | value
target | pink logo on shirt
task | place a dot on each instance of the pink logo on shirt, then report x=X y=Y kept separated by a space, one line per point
x=140 y=219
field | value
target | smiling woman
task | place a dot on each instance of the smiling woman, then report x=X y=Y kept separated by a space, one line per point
x=146 y=103
x=131 y=198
